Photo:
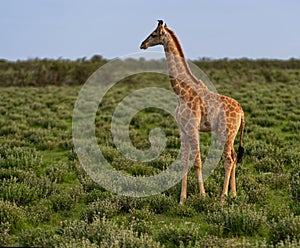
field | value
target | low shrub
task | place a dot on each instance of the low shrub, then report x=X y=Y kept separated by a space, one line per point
x=127 y=204
x=174 y=235
x=258 y=194
x=62 y=202
x=209 y=241
x=42 y=185
x=295 y=184
x=20 y=157
x=100 y=208
x=63 y=242
x=203 y=204
x=128 y=238
x=140 y=221
x=5 y=237
x=268 y=164
x=254 y=191
x=66 y=200
x=38 y=213
x=238 y=220
x=161 y=203
x=290 y=243
x=36 y=238
x=284 y=229
x=18 y=192
x=96 y=194
x=11 y=216
x=105 y=233
x=265 y=122
x=277 y=210
x=162 y=162
x=57 y=173
x=183 y=211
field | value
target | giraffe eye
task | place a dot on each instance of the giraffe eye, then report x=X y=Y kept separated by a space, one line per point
x=153 y=35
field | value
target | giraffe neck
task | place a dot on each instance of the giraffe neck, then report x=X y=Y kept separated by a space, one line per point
x=179 y=70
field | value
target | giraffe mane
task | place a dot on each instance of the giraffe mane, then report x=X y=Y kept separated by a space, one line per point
x=176 y=41
x=181 y=54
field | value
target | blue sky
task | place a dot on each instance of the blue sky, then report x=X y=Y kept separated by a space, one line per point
x=206 y=28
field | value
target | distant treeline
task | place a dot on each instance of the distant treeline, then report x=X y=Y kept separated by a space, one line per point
x=45 y=72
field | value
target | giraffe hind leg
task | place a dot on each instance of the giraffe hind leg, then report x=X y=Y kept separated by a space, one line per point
x=232 y=175
x=229 y=162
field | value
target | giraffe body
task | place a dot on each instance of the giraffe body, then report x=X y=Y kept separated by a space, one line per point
x=199 y=109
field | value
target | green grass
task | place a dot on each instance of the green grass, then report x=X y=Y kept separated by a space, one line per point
x=47 y=199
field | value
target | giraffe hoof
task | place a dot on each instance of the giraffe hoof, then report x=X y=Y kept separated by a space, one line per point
x=203 y=194
x=181 y=202
x=223 y=197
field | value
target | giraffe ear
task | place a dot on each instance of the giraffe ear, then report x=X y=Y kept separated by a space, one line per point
x=165 y=26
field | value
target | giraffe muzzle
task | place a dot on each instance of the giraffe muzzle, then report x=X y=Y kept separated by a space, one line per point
x=143 y=45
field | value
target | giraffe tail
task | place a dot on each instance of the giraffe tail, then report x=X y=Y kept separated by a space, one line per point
x=241 y=150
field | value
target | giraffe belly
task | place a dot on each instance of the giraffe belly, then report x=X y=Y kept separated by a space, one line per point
x=205 y=126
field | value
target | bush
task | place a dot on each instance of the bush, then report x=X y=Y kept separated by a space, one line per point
x=24 y=187
x=62 y=202
x=286 y=228
x=255 y=192
x=289 y=243
x=36 y=238
x=209 y=241
x=106 y=233
x=100 y=208
x=295 y=184
x=161 y=203
x=140 y=221
x=57 y=173
x=66 y=200
x=203 y=204
x=238 y=220
x=128 y=238
x=19 y=157
x=129 y=203
x=4 y=233
x=183 y=211
x=19 y=193
x=176 y=235
x=63 y=242
x=268 y=164
x=38 y=213
x=10 y=213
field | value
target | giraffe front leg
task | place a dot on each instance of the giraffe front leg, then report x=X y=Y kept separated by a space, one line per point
x=195 y=149
x=185 y=152
x=198 y=167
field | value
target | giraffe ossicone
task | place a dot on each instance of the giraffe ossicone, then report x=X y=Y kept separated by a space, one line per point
x=199 y=109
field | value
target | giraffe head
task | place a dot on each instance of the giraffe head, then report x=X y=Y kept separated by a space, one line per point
x=157 y=37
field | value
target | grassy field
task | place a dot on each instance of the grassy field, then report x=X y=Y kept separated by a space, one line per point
x=47 y=199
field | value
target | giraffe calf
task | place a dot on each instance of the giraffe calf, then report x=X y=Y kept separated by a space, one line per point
x=199 y=109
